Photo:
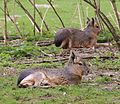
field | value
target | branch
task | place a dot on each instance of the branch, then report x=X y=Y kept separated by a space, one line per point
x=44 y=61
x=44 y=43
x=29 y=15
x=115 y=11
x=49 y=55
x=40 y=14
x=49 y=1
x=13 y=22
x=10 y=38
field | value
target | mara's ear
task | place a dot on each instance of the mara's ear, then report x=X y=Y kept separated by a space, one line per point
x=72 y=56
x=88 y=20
x=90 y=23
x=93 y=21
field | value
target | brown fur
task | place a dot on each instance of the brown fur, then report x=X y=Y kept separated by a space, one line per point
x=39 y=77
x=75 y=38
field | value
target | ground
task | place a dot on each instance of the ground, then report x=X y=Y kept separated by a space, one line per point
x=100 y=86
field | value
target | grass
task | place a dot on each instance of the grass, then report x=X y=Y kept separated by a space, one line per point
x=77 y=94
x=10 y=58
x=65 y=8
x=84 y=93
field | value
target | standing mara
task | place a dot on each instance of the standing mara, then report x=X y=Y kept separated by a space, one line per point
x=75 y=38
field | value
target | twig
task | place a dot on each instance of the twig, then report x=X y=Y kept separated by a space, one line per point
x=74 y=14
x=44 y=61
x=13 y=22
x=14 y=10
x=115 y=11
x=5 y=31
x=113 y=19
x=40 y=14
x=10 y=37
x=65 y=59
x=78 y=7
x=34 y=15
x=29 y=15
x=44 y=43
x=103 y=45
x=49 y=1
x=101 y=57
x=83 y=14
x=50 y=55
x=87 y=11
x=97 y=5
x=57 y=60
x=43 y=19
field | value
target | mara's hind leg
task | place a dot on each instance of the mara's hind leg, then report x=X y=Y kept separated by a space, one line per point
x=46 y=82
x=27 y=81
x=65 y=44
x=37 y=79
x=33 y=80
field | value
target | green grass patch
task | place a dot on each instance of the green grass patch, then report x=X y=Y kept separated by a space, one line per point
x=104 y=79
x=76 y=94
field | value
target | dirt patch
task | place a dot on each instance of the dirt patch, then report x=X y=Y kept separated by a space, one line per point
x=47 y=96
x=8 y=71
x=105 y=79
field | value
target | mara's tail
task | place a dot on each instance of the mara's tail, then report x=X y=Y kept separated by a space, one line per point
x=61 y=35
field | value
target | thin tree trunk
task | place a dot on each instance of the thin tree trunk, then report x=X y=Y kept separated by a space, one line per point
x=34 y=16
x=5 y=16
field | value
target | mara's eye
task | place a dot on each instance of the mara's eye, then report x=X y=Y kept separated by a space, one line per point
x=80 y=63
x=97 y=26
